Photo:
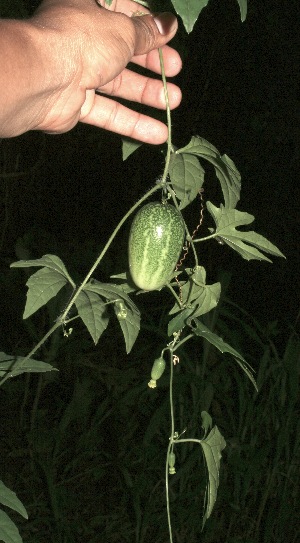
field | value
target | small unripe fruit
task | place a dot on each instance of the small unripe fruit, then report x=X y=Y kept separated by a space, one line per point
x=158 y=369
x=171 y=461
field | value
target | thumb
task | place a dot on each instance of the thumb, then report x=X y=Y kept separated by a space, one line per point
x=153 y=31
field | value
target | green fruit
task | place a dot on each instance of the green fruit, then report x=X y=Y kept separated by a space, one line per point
x=171 y=461
x=158 y=369
x=155 y=243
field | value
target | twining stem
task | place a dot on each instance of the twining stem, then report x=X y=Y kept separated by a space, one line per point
x=164 y=178
x=169 y=141
x=174 y=294
x=180 y=343
x=191 y=242
x=170 y=146
x=169 y=446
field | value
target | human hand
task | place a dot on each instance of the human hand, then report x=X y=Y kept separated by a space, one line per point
x=89 y=47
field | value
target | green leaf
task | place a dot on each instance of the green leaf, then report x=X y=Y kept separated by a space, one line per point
x=212 y=447
x=226 y=171
x=197 y=299
x=42 y=286
x=47 y=261
x=243 y=9
x=201 y=330
x=187 y=177
x=93 y=311
x=130 y=323
x=9 y=498
x=16 y=365
x=127 y=284
x=9 y=533
x=244 y=243
x=129 y=146
x=248 y=371
x=189 y=11
x=206 y=422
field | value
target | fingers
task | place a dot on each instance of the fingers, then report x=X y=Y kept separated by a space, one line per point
x=153 y=32
x=166 y=23
x=172 y=61
x=141 y=33
x=115 y=117
x=144 y=90
x=90 y=47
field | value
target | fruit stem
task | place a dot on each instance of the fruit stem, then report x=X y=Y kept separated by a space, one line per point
x=169 y=141
x=174 y=294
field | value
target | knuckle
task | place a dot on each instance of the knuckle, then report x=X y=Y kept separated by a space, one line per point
x=145 y=33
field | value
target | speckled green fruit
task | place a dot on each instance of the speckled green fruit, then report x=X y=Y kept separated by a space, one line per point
x=155 y=243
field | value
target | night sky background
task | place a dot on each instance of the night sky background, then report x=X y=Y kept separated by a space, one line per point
x=65 y=194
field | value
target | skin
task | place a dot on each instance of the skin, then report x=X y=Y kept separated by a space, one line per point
x=68 y=63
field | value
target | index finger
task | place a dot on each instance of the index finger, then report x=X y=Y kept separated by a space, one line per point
x=172 y=61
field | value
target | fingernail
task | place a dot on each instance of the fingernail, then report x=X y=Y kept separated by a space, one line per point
x=165 y=22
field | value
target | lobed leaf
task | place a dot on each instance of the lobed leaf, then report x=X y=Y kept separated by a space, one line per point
x=93 y=312
x=187 y=177
x=189 y=11
x=206 y=422
x=245 y=243
x=129 y=145
x=49 y=261
x=130 y=324
x=197 y=299
x=42 y=287
x=45 y=283
x=130 y=321
x=226 y=171
x=212 y=446
x=201 y=330
x=19 y=364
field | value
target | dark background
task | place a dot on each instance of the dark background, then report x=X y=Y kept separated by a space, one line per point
x=241 y=92
x=64 y=195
